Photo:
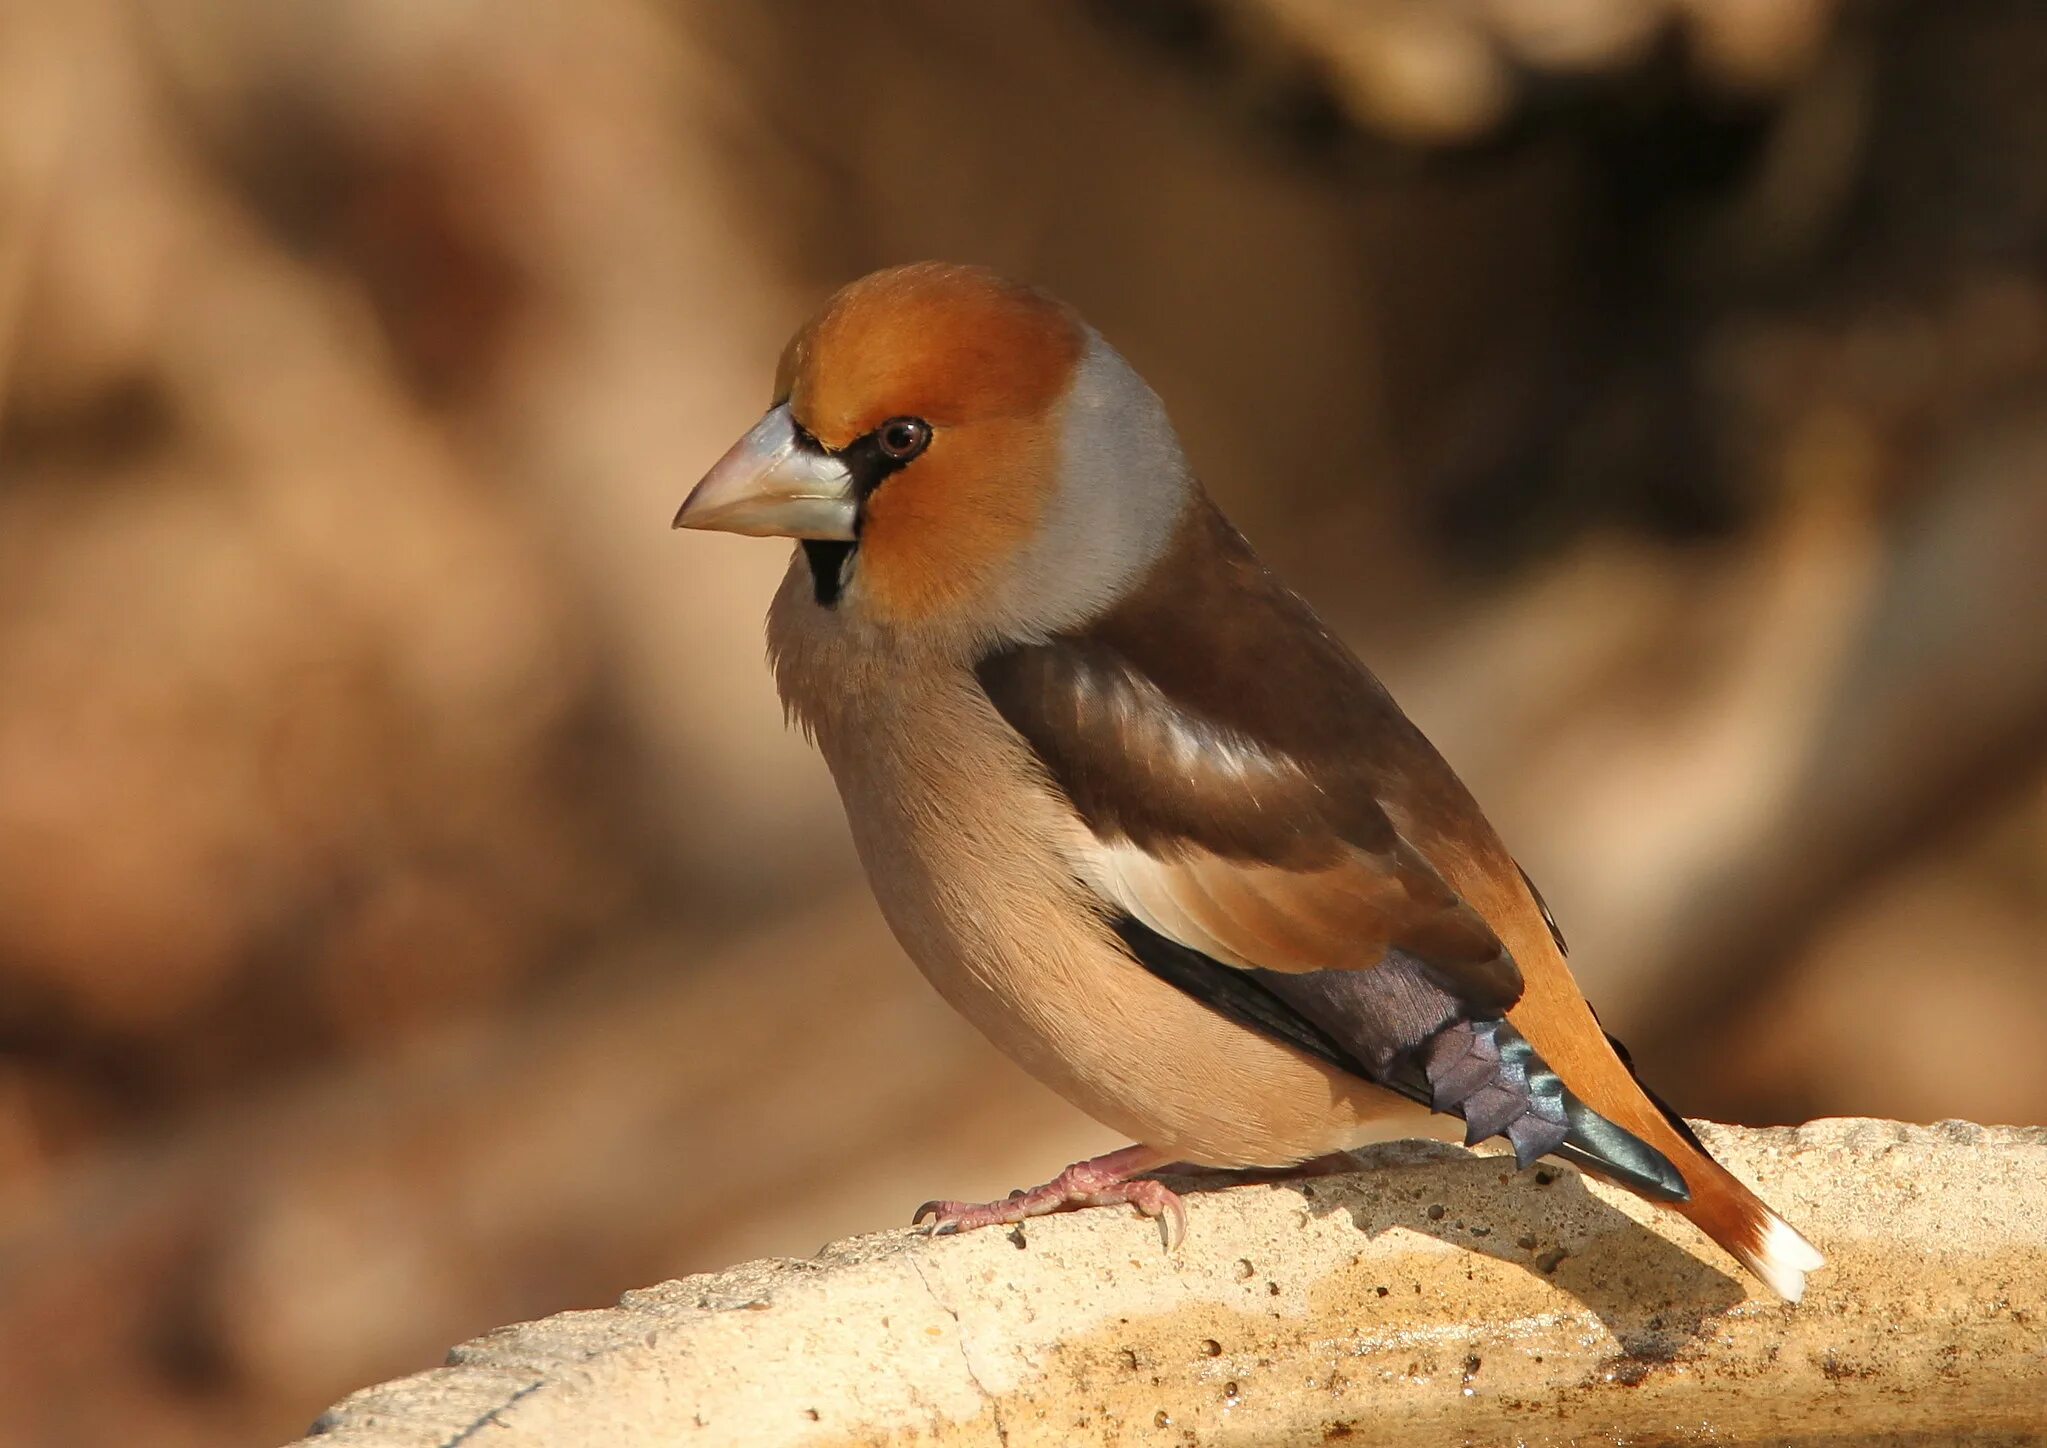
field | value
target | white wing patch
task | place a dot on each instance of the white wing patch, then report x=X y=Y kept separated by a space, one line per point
x=1139 y=882
x=1193 y=745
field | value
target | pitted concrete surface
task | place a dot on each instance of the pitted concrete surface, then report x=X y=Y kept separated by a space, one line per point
x=1434 y=1297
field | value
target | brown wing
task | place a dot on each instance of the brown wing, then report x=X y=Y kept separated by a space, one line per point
x=1238 y=773
x=1229 y=844
x=1231 y=760
x=1235 y=763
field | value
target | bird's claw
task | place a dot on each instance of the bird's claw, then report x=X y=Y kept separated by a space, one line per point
x=949 y=1217
x=1066 y=1192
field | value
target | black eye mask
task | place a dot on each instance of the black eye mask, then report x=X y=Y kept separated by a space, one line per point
x=872 y=459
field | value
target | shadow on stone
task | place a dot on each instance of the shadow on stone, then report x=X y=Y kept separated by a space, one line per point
x=1652 y=1294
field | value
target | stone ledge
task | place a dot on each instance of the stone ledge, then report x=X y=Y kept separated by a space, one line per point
x=1437 y=1297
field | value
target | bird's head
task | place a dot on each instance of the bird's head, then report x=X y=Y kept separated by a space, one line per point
x=957 y=452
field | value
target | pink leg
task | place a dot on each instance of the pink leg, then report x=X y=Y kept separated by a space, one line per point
x=1104 y=1181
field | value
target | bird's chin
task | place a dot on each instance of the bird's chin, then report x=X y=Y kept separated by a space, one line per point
x=831 y=567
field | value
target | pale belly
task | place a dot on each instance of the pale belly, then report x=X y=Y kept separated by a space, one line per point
x=965 y=860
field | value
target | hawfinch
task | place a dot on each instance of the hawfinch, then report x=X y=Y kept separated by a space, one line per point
x=1128 y=803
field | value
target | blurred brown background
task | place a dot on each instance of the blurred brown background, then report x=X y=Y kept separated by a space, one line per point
x=413 y=915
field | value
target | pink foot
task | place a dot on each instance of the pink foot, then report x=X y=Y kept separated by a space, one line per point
x=1106 y=1181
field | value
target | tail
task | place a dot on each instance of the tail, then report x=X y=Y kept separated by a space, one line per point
x=1619 y=1129
x=1487 y=1073
x=1743 y=1223
x=1728 y=1212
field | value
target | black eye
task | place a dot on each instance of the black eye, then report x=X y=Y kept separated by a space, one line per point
x=902 y=438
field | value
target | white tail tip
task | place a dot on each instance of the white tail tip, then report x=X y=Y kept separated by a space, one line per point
x=1783 y=1258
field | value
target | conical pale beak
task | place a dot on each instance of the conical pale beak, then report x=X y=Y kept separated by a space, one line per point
x=773 y=484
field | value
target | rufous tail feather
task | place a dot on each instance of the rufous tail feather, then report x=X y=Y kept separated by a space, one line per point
x=1744 y=1224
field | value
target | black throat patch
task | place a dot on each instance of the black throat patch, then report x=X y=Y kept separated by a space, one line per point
x=827 y=558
